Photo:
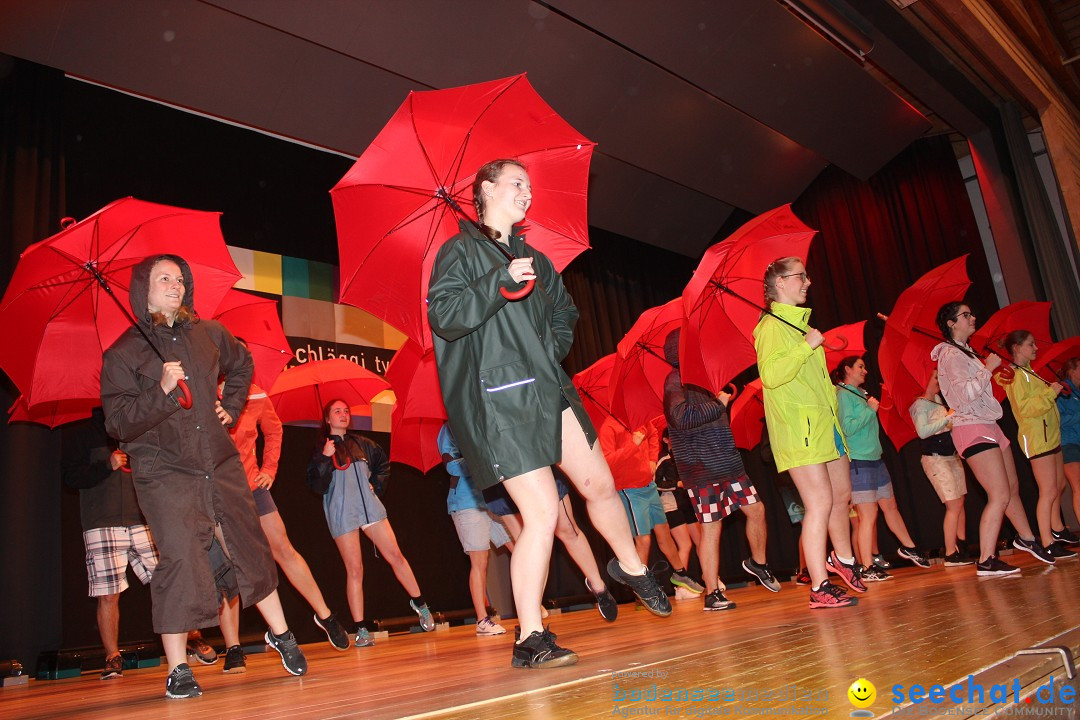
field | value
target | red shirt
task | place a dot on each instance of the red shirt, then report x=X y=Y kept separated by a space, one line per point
x=258 y=413
x=631 y=464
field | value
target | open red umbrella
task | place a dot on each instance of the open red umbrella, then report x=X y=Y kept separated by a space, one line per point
x=637 y=391
x=53 y=413
x=406 y=194
x=419 y=412
x=62 y=303
x=844 y=341
x=594 y=385
x=300 y=393
x=723 y=300
x=257 y=321
x=911 y=332
x=1022 y=315
x=1050 y=362
x=748 y=416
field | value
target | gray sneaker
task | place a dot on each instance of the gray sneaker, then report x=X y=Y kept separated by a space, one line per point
x=426 y=621
x=687 y=582
x=363 y=638
x=762 y=574
x=645 y=587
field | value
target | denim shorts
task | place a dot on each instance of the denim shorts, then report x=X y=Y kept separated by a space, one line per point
x=870 y=481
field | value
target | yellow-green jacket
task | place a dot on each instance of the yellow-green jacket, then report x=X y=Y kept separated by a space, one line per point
x=1034 y=406
x=800 y=400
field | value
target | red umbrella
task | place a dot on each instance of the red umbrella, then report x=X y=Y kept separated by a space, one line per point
x=404 y=196
x=300 y=393
x=637 y=392
x=594 y=385
x=911 y=332
x=55 y=304
x=419 y=412
x=54 y=413
x=1022 y=315
x=257 y=321
x=723 y=299
x=748 y=416
x=844 y=341
x=1050 y=362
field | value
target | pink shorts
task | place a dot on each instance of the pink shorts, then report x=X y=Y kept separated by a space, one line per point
x=968 y=436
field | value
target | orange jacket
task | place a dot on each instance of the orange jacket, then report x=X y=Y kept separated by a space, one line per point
x=631 y=464
x=258 y=413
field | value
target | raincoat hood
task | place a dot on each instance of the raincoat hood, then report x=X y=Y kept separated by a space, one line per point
x=671 y=347
x=139 y=290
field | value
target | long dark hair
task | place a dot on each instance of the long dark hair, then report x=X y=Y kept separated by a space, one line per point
x=343 y=454
x=839 y=373
x=489 y=172
x=947 y=313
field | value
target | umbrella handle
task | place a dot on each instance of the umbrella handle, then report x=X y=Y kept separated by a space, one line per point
x=348 y=462
x=126 y=468
x=518 y=294
x=881 y=403
x=184 y=400
x=1005 y=372
x=734 y=391
x=841 y=345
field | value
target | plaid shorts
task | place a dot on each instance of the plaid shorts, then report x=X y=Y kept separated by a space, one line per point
x=716 y=502
x=108 y=552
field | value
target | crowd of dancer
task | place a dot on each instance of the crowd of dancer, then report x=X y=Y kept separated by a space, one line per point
x=182 y=495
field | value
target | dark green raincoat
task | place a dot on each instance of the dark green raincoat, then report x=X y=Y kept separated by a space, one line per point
x=499 y=360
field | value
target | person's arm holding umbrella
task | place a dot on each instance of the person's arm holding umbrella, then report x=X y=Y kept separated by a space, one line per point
x=781 y=360
x=457 y=303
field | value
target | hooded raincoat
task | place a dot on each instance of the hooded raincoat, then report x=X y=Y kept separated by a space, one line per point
x=188 y=475
x=800 y=399
x=1034 y=406
x=498 y=361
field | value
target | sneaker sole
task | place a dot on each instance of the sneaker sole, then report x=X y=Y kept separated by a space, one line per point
x=235 y=670
x=691 y=588
x=996 y=573
x=170 y=696
x=958 y=564
x=830 y=606
x=329 y=639
x=1033 y=554
x=110 y=676
x=285 y=665
x=774 y=587
x=884 y=579
x=490 y=634
x=201 y=660
x=564 y=661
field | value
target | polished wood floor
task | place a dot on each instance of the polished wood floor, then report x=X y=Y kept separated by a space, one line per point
x=925 y=626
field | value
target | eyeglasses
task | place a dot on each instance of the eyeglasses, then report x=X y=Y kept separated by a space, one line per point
x=966 y=314
x=801 y=276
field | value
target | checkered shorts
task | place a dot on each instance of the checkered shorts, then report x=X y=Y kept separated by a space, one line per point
x=716 y=502
x=108 y=552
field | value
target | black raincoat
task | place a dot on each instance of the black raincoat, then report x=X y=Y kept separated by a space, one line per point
x=187 y=472
x=498 y=360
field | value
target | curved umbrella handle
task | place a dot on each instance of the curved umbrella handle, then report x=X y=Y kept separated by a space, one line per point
x=842 y=344
x=518 y=294
x=1066 y=390
x=734 y=390
x=184 y=400
x=65 y=223
x=1005 y=372
x=348 y=462
x=126 y=468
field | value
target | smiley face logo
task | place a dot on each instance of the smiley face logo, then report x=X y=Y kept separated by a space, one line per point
x=862 y=693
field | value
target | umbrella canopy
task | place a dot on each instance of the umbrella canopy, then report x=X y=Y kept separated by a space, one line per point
x=1022 y=315
x=594 y=385
x=54 y=413
x=392 y=207
x=844 y=341
x=748 y=416
x=300 y=393
x=637 y=392
x=59 y=310
x=419 y=412
x=257 y=321
x=723 y=300
x=911 y=332
x=1050 y=361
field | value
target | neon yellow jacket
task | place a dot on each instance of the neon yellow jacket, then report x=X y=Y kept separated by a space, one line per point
x=1034 y=406
x=800 y=400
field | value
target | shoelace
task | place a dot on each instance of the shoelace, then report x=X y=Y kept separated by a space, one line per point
x=829 y=589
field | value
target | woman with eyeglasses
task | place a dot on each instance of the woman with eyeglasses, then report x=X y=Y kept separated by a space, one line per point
x=965 y=384
x=801 y=414
x=1034 y=405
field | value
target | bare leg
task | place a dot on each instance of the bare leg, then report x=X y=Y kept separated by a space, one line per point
x=383 y=536
x=108 y=620
x=478 y=567
x=175 y=645
x=229 y=619
x=668 y=548
x=1072 y=475
x=538 y=502
x=643 y=544
x=577 y=545
x=756 y=530
x=348 y=546
x=293 y=563
x=840 y=480
x=1015 y=509
x=681 y=535
x=1048 y=510
x=816 y=489
x=867 y=513
x=895 y=521
x=990 y=471
x=709 y=554
x=954 y=521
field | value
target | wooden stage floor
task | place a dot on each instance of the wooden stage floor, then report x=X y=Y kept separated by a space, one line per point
x=925 y=626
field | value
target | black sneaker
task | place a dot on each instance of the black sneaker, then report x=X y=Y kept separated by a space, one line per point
x=1059 y=551
x=181 y=683
x=802 y=577
x=874 y=574
x=114 y=667
x=235 y=661
x=881 y=562
x=645 y=587
x=339 y=639
x=1065 y=536
x=957 y=559
x=912 y=554
x=1032 y=546
x=540 y=651
x=605 y=603
x=994 y=566
x=761 y=574
x=716 y=600
x=292 y=657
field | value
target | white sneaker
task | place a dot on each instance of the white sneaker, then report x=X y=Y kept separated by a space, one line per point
x=487 y=626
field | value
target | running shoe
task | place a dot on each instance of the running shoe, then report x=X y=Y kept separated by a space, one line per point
x=881 y=562
x=335 y=633
x=540 y=651
x=488 y=626
x=716 y=600
x=1065 y=536
x=993 y=566
x=830 y=596
x=957 y=559
x=605 y=603
x=235 y=661
x=200 y=649
x=912 y=554
x=645 y=587
x=848 y=573
x=114 y=667
x=1059 y=551
x=761 y=574
x=802 y=577
x=685 y=581
x=292 y=657
x=875 y=574
x=181 y=683
x=363 y=638
x=1032 y=546
x=426 y=621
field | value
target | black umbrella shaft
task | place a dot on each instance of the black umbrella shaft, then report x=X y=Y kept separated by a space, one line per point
x=751 y=303
x=456 y=207
x=96 y=274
